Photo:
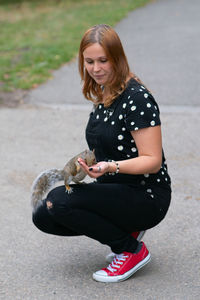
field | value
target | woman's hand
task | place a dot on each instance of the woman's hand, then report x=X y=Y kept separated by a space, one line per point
x=96 y=170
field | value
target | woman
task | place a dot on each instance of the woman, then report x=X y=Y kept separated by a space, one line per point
x=132 y=191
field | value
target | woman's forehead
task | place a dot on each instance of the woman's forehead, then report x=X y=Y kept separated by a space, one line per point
x=94 y=51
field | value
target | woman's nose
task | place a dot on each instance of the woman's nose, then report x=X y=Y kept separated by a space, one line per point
x=96 y=67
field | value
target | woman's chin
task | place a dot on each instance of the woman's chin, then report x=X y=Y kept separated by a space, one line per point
x=100 y=80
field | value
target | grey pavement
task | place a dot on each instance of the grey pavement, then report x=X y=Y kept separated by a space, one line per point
x=162 y=44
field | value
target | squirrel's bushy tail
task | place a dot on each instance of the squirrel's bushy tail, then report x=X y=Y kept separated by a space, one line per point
x=43 y=183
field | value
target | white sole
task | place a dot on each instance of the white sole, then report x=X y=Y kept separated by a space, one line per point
x=126 y=275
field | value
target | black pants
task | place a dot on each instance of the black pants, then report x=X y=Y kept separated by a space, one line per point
x=106 y=212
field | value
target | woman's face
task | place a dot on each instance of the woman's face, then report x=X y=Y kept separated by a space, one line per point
x=97 y=64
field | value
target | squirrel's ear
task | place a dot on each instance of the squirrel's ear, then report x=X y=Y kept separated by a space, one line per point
x=93 y=151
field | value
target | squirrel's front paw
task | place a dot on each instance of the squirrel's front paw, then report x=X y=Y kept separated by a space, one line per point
x=69 y=189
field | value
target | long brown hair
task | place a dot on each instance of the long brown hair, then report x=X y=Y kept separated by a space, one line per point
x=108 y=39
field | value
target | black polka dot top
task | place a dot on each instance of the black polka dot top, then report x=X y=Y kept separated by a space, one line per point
x=108 y=133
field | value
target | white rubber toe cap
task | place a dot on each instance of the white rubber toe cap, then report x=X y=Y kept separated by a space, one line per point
x=100 y=273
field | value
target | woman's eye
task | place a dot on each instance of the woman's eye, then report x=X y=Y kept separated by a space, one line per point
x=89 y=62
x=104 y=61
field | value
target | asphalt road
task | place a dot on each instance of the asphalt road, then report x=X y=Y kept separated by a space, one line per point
x=161 y=42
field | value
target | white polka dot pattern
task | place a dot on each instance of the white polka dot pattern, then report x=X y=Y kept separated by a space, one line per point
x=142 y=111
x=135 y=110
x=120 y=137
x=133 y=107
x=120 y=148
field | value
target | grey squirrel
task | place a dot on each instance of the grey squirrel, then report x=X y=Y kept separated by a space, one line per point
x=71 y=172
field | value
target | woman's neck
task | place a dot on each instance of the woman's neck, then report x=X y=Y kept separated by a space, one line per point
x=106 y=90
x=106 y=93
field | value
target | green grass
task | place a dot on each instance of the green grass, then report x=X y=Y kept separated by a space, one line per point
x=38 y=37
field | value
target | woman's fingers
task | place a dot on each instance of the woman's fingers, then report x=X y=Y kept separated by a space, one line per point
x=85 y=167
x=94 y=171
x=82 y=164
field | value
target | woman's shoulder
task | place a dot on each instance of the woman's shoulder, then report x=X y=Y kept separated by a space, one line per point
x=137 y=93
x=137 y=98
x=133 y=87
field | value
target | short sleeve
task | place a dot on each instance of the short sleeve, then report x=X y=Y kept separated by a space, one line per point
x=141 y=111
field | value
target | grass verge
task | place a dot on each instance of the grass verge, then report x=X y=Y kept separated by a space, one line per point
x=38 y=37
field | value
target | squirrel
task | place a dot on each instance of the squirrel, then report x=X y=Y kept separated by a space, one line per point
x=71 y=172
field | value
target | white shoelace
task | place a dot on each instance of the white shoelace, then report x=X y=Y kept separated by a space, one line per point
x=117 y=262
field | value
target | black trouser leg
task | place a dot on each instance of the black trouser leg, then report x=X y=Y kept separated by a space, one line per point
x=44 y=221
x=105 y=212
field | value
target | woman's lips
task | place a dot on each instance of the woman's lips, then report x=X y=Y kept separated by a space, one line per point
x=98 y=76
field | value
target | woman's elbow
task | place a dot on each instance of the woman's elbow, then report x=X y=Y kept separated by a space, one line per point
x=157 y=166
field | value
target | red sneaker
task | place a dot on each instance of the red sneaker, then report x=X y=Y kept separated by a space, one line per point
x=124 y=265
x=138 y=235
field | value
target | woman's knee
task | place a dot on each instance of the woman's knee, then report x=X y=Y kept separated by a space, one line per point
x=58 y=202
x=40 y=218
x=35 y=219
